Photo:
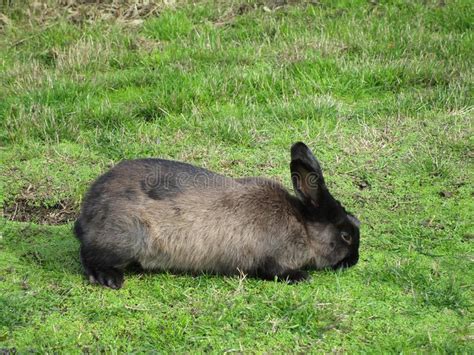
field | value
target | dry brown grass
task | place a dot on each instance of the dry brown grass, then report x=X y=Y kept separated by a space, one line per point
x=42 y=12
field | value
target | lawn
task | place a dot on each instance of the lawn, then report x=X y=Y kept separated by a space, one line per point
x=381 y=91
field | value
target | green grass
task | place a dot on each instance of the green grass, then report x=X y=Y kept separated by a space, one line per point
x=382 y=92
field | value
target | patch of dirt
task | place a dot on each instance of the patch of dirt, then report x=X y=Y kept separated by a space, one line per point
x=30 y=205
x=446 y=194
x=23 y=210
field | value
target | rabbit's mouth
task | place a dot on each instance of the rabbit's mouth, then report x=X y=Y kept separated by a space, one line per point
x=347 y=262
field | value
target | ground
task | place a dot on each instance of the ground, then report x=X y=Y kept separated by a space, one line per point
x=382 y=93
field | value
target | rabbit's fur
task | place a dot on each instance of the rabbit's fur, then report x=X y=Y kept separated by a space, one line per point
x=167 y=215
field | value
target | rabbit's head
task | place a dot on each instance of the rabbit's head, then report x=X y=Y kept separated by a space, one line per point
x=334 y=233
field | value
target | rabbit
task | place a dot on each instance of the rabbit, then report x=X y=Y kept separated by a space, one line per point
x=169 y=215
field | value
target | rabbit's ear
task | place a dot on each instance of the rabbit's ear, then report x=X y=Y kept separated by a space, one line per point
x=306 y=174
x=355 y=221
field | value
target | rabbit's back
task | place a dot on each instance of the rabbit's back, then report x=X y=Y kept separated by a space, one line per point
x=133 y=182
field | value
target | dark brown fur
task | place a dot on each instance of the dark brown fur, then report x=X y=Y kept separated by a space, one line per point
x=167 y=215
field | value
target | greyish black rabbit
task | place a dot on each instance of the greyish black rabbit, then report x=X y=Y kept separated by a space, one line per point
x=168 y=215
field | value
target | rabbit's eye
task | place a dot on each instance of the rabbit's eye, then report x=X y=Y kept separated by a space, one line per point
x=346 y=237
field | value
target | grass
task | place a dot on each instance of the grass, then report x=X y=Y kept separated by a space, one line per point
x=382 y=92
